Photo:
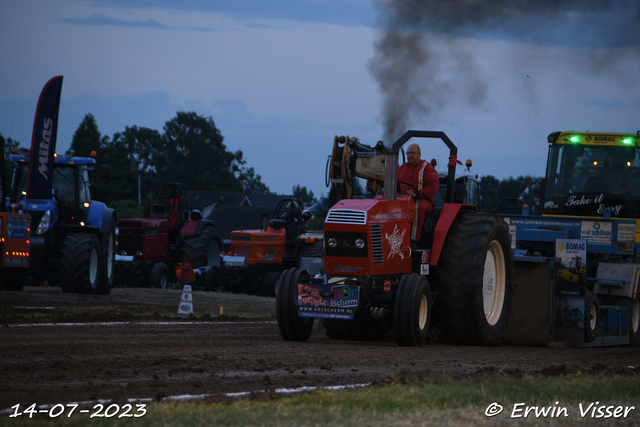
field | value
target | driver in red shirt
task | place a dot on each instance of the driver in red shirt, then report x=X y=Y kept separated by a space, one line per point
x=424 y=178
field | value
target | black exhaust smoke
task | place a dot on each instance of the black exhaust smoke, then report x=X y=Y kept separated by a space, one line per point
x=422 y=62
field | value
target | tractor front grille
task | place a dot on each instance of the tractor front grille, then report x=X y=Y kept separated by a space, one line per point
x=377 y=254
x=130 y=243
x=347 y=216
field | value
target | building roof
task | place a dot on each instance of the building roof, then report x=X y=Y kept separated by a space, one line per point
x=267 y=200
x=234 y=210
x=202 y=199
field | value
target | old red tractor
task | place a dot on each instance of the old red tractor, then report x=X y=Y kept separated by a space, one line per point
x=377 y=280
x=149 y=248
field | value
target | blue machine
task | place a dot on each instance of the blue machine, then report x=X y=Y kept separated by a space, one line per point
x=577 y=267
x=72 y=236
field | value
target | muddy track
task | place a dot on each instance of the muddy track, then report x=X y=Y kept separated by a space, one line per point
x=57 y=347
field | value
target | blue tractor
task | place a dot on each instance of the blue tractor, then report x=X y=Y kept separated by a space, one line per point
x=72 y=236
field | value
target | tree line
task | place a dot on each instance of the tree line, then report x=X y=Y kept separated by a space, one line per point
x=526 y=189
x=191 y=150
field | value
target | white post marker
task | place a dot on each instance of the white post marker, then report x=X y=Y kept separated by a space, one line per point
x=186 y=302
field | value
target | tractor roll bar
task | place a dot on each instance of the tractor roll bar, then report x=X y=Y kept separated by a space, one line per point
x=391 y=165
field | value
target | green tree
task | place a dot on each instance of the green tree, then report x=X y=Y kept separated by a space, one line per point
x=306 y=197
x=9 y=145
x=527 y=189
x=489 y=192
x=195 y=155
x=87 y=137
x=190 y=151
x=127 y=208
x=132 y=155
x=250 y=182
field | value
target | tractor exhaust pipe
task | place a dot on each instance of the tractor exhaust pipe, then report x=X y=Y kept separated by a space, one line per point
x=391 y=177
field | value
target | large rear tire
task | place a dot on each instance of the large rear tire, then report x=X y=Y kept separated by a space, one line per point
x=107 y=264
x=80 y=264
x=203 y=249
x=292 y=327
x=412 y=310
x=474 y=280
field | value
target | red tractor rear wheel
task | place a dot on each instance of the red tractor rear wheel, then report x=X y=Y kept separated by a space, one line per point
x=474 y=280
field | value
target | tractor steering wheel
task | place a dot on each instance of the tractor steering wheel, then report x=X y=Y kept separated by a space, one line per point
x=406 y=183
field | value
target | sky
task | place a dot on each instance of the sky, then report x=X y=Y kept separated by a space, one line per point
x=281 y=78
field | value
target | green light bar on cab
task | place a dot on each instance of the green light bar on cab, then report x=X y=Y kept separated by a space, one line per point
x=574 y=139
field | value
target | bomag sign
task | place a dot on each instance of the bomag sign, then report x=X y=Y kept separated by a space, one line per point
x=592 y=138
x=603 y=139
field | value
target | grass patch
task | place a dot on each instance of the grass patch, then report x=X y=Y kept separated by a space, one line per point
x=430 y=400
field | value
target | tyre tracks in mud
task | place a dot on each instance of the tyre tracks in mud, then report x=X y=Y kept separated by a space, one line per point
x=51 y=363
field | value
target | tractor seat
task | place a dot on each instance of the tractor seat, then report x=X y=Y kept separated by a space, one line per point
x=159 y=211
x=277 y=224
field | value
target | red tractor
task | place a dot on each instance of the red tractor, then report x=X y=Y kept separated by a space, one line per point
x=376 y=279
x=149 y=248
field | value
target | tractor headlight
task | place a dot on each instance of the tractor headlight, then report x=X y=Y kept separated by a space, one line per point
x=45 y=223
x=346 y=244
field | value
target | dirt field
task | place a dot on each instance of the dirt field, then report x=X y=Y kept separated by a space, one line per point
x=57 y=348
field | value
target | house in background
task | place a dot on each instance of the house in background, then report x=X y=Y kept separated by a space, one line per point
x=233 y=210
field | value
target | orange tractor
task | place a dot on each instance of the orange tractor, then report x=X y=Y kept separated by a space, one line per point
x=257 y=257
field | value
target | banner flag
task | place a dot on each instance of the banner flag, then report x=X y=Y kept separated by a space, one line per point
x=43 y=141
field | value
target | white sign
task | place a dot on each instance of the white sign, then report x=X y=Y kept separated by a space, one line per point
x=570 y=250
x=597 y=231
x=424 y=269
x=626 y=237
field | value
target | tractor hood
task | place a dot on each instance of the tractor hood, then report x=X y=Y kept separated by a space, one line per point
x=365 y=211
x=144 y=223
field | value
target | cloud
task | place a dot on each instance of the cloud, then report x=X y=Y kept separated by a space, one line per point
x=343 y=12
x=114 y=22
